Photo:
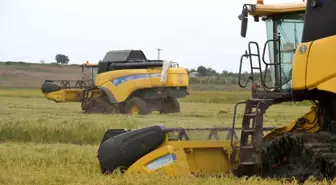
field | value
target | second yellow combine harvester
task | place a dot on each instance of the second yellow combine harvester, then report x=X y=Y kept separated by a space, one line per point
x=126 y=82
x=301 y=42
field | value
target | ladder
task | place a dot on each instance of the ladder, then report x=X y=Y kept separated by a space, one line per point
x=250 y=160
x=249 y=55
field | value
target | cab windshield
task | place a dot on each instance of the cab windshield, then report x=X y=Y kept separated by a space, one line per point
x=89 y=75
x=288 y=28
x=94 y=74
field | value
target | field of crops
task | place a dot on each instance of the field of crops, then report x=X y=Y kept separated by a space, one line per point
x=43 y=142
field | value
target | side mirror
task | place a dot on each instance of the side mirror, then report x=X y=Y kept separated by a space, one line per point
x=244 y=21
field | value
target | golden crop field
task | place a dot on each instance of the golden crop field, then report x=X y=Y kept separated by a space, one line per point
x=43 y=142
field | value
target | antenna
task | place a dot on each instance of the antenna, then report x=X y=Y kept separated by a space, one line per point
x=159 y=50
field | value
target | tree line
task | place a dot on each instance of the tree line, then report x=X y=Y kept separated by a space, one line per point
x=210 y=75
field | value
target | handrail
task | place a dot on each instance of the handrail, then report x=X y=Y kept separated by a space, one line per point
x=240 y=68
x=234 y=122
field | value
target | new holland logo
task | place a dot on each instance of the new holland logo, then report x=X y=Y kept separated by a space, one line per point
x=303 y=49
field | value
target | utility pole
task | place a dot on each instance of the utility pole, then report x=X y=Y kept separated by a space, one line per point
x=159 y=50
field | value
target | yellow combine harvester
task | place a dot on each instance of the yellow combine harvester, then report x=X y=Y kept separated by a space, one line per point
x=301 y=42
x=125 y=81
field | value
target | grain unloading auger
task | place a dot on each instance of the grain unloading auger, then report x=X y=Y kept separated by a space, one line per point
x=126 y=82
x=301 y=42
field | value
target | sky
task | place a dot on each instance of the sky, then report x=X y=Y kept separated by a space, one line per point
x=190 y=32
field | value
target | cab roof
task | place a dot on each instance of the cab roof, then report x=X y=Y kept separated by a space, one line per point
x=90 y=65
x=121 y=56
x=271 y=9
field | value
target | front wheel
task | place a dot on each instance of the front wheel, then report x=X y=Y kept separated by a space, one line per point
x=136 y=106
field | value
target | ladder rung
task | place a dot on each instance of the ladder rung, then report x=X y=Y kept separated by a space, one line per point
x=250 y=114
x=248 y=163
x=256 y=55
x=256 y=68
x=247 y=147
x=249 y=130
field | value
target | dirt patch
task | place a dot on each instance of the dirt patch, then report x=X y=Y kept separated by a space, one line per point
x=33 y=75
x=300 y=156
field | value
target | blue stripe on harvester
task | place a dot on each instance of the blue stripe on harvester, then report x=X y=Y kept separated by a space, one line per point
x=123 y=79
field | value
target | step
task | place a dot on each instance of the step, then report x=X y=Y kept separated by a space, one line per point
x=248 y=163
x=251 y=130
x=250 y=114
x=248 y=147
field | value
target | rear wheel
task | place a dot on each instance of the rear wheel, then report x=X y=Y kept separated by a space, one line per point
x=170 y=105
x=136 y=106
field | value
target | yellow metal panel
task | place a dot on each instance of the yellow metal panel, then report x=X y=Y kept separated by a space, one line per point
x=310 y=124
x=154 y=70
x=156 y=77
x=180 y=167
x=321 y=64
x=329 y=85
x=65 y=95
x=269 y=9
x=191 y=157
x=177 y=77
x=57 y=96
x=69 y=95
x=107 y=76
x=300 y=66
x=122 y=91
x=198 y=152
x=208 y=160
x=202 y=144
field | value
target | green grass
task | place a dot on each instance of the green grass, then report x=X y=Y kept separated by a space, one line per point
x=29 y=117
x=43 y=142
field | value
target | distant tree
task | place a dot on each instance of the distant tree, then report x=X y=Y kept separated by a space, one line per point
x=42 y=62
x=231 y=74
x=191 y=70
x=206 y=71
x=202 y=70
x=211 y=72
x=62 y=59
x=225 y=73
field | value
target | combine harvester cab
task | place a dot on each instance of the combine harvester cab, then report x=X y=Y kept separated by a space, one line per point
x=125 y=81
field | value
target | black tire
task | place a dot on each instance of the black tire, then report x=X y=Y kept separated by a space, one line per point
x=48 y=87
x=170 y=105
x=139 y=103
x=112 y=153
